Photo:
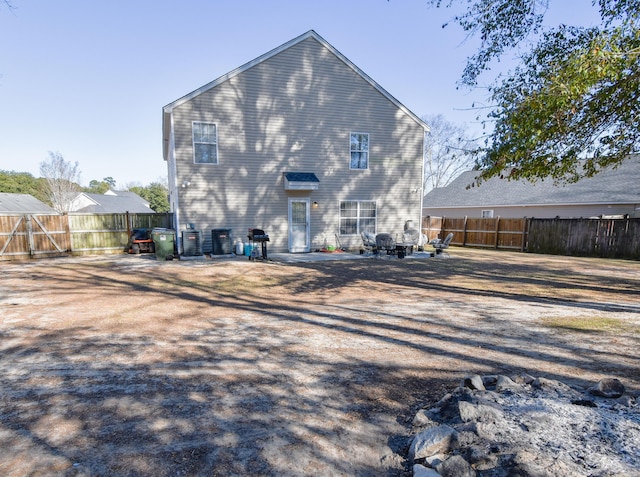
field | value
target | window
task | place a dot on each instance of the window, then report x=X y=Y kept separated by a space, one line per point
x=487 y=214
x=205 y=143
x=359 y=151
x=357 y=217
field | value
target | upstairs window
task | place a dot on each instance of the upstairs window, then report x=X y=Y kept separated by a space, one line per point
x=359 y=151
x=205 y=143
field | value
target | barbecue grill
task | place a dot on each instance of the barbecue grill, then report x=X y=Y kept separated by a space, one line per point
x=256 y=236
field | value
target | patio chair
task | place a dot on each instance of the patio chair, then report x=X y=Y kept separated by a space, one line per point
x=411 y=236
x=386 y=243
x=441 y=246
x=368 y=242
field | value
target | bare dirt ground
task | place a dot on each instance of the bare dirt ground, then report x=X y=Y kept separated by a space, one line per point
x=124 y=366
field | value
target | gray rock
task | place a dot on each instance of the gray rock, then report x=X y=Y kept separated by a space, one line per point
x=465 y=439
x=608 y=388
x=473 y=382
x=626 y=401
x=523 y=378
x=481 y=457
x=505 y=383
x=456 y=466
x=431 y=441
x=480 y=411
x=423 y=419
x=489 y=380
x=553 y=385
x=422 y=471
x=435 y=460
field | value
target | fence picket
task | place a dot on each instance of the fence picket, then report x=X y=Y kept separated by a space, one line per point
x=607 y=238
x=73 y=233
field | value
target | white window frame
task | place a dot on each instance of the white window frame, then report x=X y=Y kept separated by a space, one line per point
x=360 y=151
x=487 y=214
x=208 y=143
x=358 y=217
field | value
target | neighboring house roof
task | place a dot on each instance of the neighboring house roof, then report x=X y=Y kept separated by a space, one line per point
x=310 y=34
x=611 y=186
x=23 y=203
x=111 y=202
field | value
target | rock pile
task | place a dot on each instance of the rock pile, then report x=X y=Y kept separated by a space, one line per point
x=496 y=426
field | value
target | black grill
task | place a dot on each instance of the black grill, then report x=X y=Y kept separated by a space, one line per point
x=258 y=236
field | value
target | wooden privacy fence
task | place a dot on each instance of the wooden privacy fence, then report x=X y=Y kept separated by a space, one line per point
x=40 y=235
x=472 y=232
x=607 y=238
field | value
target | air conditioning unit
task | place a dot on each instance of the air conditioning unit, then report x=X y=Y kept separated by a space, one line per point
x=221 y=241
x=192 y=243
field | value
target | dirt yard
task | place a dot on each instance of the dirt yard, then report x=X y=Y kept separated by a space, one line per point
x=124 y=366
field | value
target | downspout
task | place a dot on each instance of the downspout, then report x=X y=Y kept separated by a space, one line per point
x=421 y=190
x=173 y=181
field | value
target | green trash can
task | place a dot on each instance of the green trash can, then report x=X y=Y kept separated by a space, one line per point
x=164 y=241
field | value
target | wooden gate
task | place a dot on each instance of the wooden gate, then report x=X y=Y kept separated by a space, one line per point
x=33 y=236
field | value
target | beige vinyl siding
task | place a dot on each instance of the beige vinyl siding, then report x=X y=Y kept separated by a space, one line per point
x=294 y=112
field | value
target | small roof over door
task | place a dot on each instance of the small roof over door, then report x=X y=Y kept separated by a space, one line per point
x=301 y=181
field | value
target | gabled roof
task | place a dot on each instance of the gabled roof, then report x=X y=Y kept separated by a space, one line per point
x=112 y=202
x=611 y=186
x=23 y=203
x=310 y=34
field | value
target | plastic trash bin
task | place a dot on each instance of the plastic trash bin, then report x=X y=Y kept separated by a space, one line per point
x=164 y=241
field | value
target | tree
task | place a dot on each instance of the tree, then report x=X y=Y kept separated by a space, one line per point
x=447 y=152
x=110 y=181
x=22 y=183
x=61 y=181
x=572 y=106
x=100 y=187
x=156 y=194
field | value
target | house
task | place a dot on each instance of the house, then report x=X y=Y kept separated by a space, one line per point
x=610 y=193
x=300 y=143
x=23 y=204
x=111 y=202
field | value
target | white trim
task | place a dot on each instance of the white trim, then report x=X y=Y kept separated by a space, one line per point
x=174 y=204
x=511 y=206
x=310 y=34
x=351 y=133
x=307 y=247
x=193 y=143
x=358 y=217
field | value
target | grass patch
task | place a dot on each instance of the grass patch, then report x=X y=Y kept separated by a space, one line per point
x=244 y=285
x=589 y=324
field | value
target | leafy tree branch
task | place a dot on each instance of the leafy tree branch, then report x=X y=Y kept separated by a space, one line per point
x=572 y=106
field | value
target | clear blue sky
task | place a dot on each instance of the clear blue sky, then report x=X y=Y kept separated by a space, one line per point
x=89 y=78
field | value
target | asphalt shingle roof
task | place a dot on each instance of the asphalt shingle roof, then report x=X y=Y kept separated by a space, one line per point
x=23 y=203
x=124 y=201
x=612 y=186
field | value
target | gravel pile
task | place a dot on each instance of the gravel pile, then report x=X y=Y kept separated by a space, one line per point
x=524 y=426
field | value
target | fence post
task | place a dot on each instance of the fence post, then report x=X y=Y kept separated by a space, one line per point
x=497 y=230
x=525 y=228
x=129 y=226
x=30 y=242
x=464 y=232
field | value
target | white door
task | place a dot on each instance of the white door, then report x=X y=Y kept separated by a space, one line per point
x=299 y=230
